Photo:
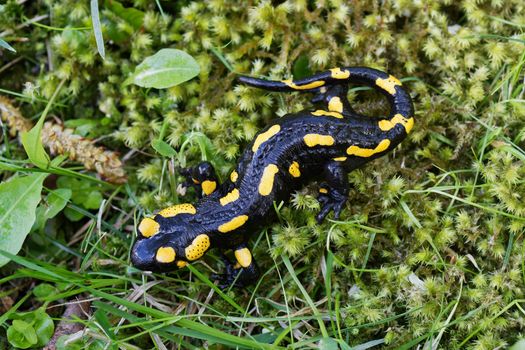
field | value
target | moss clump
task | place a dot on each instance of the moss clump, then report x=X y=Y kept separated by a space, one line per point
x=431 y=249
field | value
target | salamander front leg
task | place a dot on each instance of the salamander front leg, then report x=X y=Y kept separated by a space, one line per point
x=243 y=273
x=202 y=177
x=334 y=192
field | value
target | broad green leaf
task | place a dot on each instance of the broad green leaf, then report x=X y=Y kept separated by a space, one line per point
x=93 y=200
x=129 y=14
x=44 y=290
x=56 y=201
x=97 y=28
x=21 y=335
x=43 y=325
x=72 y=214
x=31 y=139
x=301 y=67
x=18 y=201
x=33 y=146
x=163 y=148
x=328 y=344
x=5 y=45
x=166 y=68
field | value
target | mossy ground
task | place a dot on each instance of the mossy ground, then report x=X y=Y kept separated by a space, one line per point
x=430 y=248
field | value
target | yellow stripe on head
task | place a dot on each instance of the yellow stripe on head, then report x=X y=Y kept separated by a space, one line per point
x=368 y=152
x=266 y=184
x=265 y=136
x=185 y=208
x=233 y=224
x=313 y=140
x=148 y=227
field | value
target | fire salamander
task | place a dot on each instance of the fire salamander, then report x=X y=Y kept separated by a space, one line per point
x=325 y=144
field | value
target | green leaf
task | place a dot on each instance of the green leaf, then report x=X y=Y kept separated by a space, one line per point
x=97 y=28
x=44 y=290
x=70 y=342
x=93 y=200
x=33 y=146
x=18 y=201
x=5 y=45
x=43 y=325
x=21 y=335
x=56 y=201
x=166 y=68
x=31 y=139
x=328 y=344
x=163 y=148
x=72 y=214
x=129 y=14
x=301 y=67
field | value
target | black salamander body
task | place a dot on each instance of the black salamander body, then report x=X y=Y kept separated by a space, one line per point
x=319 y=144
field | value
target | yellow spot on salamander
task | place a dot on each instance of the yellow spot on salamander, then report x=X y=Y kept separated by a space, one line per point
x=266 y=184
x=185 y=208
x=312 y=85
x=165 y=255
x=368 y=152
x=243 y=257
x=340 y=159
x=181 y=264
x=320 y=112
x=294 y=169
x=148 y=227
x=323 y=190
x=313 y=140
x=198 y=247
x=208 y=186
x=230 y=197
x=335 y=104
x=265 y=136
x=388 y=84
x=386 y=124
x=337 y=73
x=233 y=224
x=234 y=176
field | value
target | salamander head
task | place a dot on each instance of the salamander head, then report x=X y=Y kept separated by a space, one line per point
x=166 y=242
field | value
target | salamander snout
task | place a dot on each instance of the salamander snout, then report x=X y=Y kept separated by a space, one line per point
x=157 y=253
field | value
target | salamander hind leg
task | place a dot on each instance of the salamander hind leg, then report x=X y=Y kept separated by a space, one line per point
x=202 y=177
x=241 y=274
x=333 y=193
